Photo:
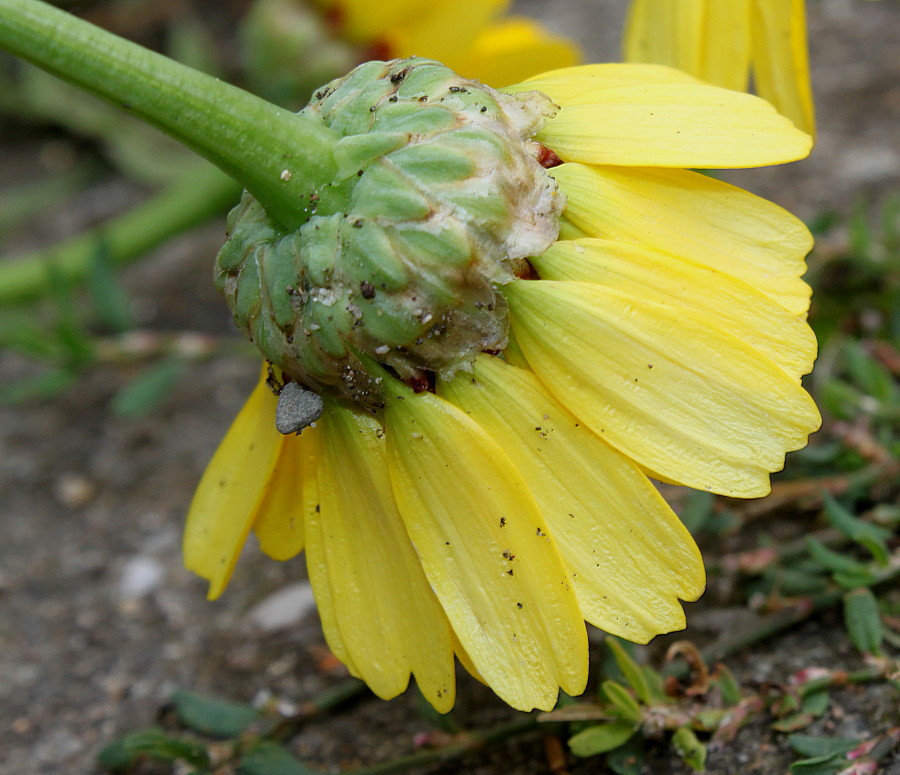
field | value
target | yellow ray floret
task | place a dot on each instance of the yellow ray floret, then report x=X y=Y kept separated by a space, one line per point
x=289 y=496
x=724 y=42
x=690 y=289
x=647 y=122
x=383 y=618
x=628 y=556
x=226 y=503
x=487 y=552
x=677 y=395
x=695 y=217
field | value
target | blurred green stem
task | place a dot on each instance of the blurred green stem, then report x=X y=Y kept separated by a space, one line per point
x=280 y=157
x=201 y=193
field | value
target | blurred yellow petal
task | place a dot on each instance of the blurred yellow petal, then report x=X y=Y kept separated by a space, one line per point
x=724 y=44
x=629 y=557
x=709 y=39
x=688 y=289
x=658 y=125
x=721 y=41
x=381 y=613
x=487 y=552
x=780 y=60
x=444 y=31
x=675 y=394
x=693 y=216
x=512 y=49
x=225 y=505
x=362 y=22
x=289 y=495
x=666 y=32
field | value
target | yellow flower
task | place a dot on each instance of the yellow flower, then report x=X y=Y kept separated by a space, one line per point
x=472 y=37
x=663 y=334
x=723 y=42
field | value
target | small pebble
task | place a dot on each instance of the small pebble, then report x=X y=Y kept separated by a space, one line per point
x=73 y=490
x=140 y=576
x=283 y=608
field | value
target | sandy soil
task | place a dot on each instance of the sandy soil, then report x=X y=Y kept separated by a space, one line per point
x=98 y=620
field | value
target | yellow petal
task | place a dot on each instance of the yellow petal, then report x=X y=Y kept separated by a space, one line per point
x=780 y=59
x=688 y=289
x=225 y=504
x=487 y=552
x=290 y=493
x=666 y=125
x=694 y=403
x=444 y=31
x=512 y=49
x=359 y=21
x=666 y=32
x=725 y=44
x=693 y=216
x=466 y=661
x=628 y=555
x=580 y=85
x=707 y=38
x=377 y=607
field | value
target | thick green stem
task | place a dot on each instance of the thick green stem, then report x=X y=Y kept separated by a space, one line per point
x=278 y=156
x=202 y=192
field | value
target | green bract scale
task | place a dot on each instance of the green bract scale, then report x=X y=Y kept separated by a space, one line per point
x=437 y=199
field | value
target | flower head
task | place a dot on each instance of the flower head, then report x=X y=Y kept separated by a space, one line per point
x=484 y=504
x=725 y=42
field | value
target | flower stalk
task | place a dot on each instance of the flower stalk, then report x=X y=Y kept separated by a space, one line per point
x=278 y=156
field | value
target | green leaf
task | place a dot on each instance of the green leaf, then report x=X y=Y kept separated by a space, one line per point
x=793 y=581
x=697 y=510
x=627 y=759
x=601 y=738
x=153 y=744
x=841 y=399
x=854 y=580
x=709 y=720
x=869 y=374
x=271 y=759
x=148 y=389
x=809 y=745
x=689 y=748
x=820 y=765
x=863 y=620
x=728 y=685
x=846 y=571
x=212 y=716
x=28 y=335
x=656 y=685
x=794 y=722
x=107 y=294
x=870 y=536
x=815 y=703
x=634 y=676
x=45 y=385
x=624 y=704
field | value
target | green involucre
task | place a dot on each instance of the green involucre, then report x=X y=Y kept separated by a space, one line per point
x=437 y=199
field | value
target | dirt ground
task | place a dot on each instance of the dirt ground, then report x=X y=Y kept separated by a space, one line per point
x=98 y=620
